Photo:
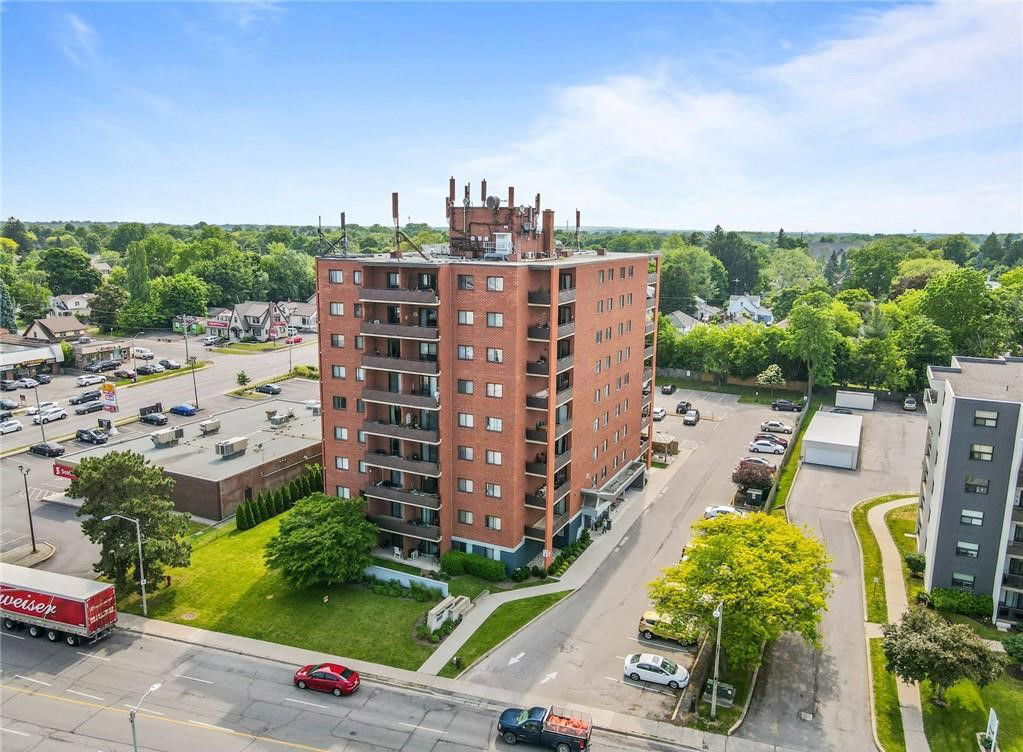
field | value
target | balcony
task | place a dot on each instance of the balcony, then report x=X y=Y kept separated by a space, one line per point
x=398 y=331
x=401 y=365
x=651 y=278
x=541 y=332
x=402 y=464
x=538 y=367
x=1015 y=548
x=537 y=401
x=418 y=297
x=566 y=330
x=538 y=297
x=563 y=364
x=649 y=325
x=563 y=396
x=411 y=528
x=422 y=401
x=566 y=296
x=1009 y=614
x=536 y=501
x=1015 y=581
x=648 y=374
x=1017 y=513
x=648 y=352
x=536 y=531
x=403 y=496
x=562 y=459
x=400 y=431
x=539 y=435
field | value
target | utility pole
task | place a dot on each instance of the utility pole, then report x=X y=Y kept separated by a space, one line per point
x=185 y=321
x=31 y=528
x=39 y=414
x=719 y=612
x=142 y=571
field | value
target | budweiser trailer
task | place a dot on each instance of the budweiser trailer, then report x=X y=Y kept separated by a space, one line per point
x=60 y=607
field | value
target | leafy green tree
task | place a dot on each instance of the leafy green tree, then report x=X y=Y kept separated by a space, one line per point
x=160 y=248
x=135 y=316
x=289 y=273
x=688 y=271
x=124 y=235
x=833 y=271
x=991 y=249
x=181 y=294
x=781 y=301
x=14 y=229
x=138 y=272
x=240 y=516
x=769 y=574
x=916 y=563
x=1014 y=647
x=874 y=266
x=69 y=271
x=31 y=298
x=109 y=300
x=792 y=267
x=323 y=541
x=91 y=243
x=748 y=475
x=812 y=337
x=746 y=349
x=959 y=302
x=957 y=248
x=771 y=377
x=242 y=378
x=7 y=309
x=738 y=258
x=126 y=483
x=923 y=646
x=915 y=273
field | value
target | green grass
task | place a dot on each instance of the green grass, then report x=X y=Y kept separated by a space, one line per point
x=183 y=371
x=228 y=589
x=505 y=620
x=747 y=394
x=986 y=631
x=886 y=702
x=952 y=728
x=787 y=473
x=246 y=348
x=659 y=465
x=877 y=608
x=740 y=678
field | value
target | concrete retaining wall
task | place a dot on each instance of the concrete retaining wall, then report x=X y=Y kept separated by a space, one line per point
x=406 y=579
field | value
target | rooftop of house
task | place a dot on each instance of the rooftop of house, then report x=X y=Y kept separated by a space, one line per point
x=998 y=379
x=67 y=298
x=59 y=324
x=11 y=343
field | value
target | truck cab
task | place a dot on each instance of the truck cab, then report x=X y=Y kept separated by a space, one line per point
x=551 y=728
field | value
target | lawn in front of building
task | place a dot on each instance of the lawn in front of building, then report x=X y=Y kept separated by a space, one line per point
x=953 y=728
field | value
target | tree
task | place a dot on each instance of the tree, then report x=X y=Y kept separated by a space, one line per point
x=138 y=272
x=91 y=243
x=833 y=271
x=915 y=273
x=957 y=248
x=959 y=302
x=749 y=475
x=771 y=377
x=135 y=316
x=69 y=271
x=31 y=298
x=688 y=271
x=769 y=574
x=109 y=300
x=781 y=301
x=126 y=483
x=792 y=267
x=7 y=309
x=738 y=258
x=922 y=343
x=242 y=378
x=873 y=266
x=126 y=234
x=812 y=337
x=916 y=563
x=325 y=540
x=924 y=646
x=289 y=273
x=991 y=250
x=241 y=516
x=181 y=294
x=14 y=229
x=1014 y=647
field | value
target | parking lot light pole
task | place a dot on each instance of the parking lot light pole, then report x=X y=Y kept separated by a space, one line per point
x=39 y=414
x=133 y=365
x=185 y=321
x=31 y=528
x=134 y=710
x=719 y=613
x=142 y=571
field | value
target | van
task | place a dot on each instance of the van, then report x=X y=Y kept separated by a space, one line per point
x=143 y=352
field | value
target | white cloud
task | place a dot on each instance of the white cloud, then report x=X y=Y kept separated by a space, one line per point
x=248 y=13
x=78 y=41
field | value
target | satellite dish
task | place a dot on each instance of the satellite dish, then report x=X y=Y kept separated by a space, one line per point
x=493 y=202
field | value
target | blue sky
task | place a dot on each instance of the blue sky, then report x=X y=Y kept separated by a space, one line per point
x=816 y=116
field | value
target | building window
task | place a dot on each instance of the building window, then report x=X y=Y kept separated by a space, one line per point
x=494 y=424
x=631 y=270
x=495 y=390
x=466 y=317
x=337 y=340
x=337 y=309
x=341 y=463
x=340 y=403
x=983 y=452
x=466 y=453
x=976 y=485
x=495 y=320
x=344 y=492
x=493 y=457
x=971 y=517
x=340 y=433
x=360 y=342
x=357 y=277
x=465 y=485
x=393 y=281
x=465 y=517
x=360 y=374
x=629 y=299
x=962 y=581
x=336 y=276
x=600 y=306
x=464 y=386
x=465 y=282
x=357 y=310
x=338 y=372
x=494 y=490
x=986 y=418
x=493 y=523
x=599 y=337
x=495 y=284
x=466 y=352
x=600 y=276
x=495 y=355
x=361 y=437
x=465 y=420
x=969 y=550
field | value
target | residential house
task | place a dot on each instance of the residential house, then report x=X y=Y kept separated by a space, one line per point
x=748 y=307
x=258 y=321
x=302 y=316
x=705 y=311
x=79 y=306
x=682 y=321
x=55 y=328
x=101 y=266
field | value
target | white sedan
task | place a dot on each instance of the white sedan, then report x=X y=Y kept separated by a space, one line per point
x=10 y=426
x=775 y=426
x=27 y=383
x=47 y=416
x=720 y=511
x=42 y=407
x=768 y=447
x=88 y=379
x=654 y=668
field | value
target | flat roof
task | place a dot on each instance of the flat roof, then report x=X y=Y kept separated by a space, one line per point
x=194 y=454
x=51 y=582
x=835 y=429
x=411 y=258
x=983 y=378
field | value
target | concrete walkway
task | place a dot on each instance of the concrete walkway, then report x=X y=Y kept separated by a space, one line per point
x=576 y=576
x=895 y=595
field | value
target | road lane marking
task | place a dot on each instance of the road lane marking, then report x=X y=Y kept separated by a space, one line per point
x=12 y=731
x=143 y=710
x=12 y=540
x=8 y=634
x=192 y=678
x=422 y=728
x=90 y=655
x=515 y=659
x=549 y=677
x=83 y=694
x=303 y=702
x=211 y=726
x=29 y=678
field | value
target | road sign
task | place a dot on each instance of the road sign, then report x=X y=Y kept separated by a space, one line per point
x=109 y=397
x=992 y=727
x=63 y=472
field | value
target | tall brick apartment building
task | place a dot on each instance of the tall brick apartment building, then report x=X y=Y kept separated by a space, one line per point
x=490 y=398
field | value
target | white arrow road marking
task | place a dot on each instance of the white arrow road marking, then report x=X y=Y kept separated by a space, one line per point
x=303 y=702
x=192 y=678
x=29 y=678
x=548 y=677
x=83 y=694
x=97 y=657
x=516 y=659
x=422 y=728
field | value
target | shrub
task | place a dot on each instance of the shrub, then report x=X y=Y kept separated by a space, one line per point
x=924 y=599
x=266 y=509
x=459 y=562
x=241 y=516
x=537 y=570
x=961 y=602
x=1014 y=647
x=520 y=574
x=255 y=511
x=916 y=563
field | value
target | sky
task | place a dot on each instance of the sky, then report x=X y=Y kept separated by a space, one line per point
x=818 y=116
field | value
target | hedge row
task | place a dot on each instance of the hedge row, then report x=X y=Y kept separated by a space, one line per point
x=569 y=554
x=270 y=504
x=958 y=601
x=458 y=562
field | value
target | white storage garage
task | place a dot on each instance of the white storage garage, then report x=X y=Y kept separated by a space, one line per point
x=833 y=439
x=855 y=400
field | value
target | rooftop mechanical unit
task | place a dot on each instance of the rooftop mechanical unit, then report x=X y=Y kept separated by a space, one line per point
x=165 y=437
x=231 y=447
x=209 y=427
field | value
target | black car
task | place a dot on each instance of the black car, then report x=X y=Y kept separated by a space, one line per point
x=6 y=415
x=668 y=389
x=784 y=404
x=683 y=407
x=89 y=407
x=8 y=386
x=47 y=449
x=42 y=378
x=144 y=370
x=269 y=389
x=124 y=373
x=110 y=365
x=6 y=404
x=91 y=436
x=90 y=396
x=154 y=419
x=95 y=367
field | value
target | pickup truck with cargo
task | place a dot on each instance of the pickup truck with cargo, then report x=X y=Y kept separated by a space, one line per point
x=72 y=609
x=553 y=728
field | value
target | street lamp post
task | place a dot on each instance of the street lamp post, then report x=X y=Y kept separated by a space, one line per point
x=133 y=366
x=719 y=613
x=134 y=710
x=142 y=571
x=31 y=528
x=185 y=321
x=39 y=414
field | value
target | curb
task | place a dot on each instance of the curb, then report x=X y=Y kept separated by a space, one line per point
x=50 y=551
x=873 y=705
x=749 y=695
x=63 y=437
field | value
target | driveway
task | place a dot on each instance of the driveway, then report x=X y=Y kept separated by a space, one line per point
x=831 y=684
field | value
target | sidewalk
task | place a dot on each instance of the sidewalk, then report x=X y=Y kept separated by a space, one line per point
x=895 y=595
x=576 y=576
x=488 y=698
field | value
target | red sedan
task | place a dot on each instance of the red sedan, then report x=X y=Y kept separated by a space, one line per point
x=293 y=340
x=327 y=677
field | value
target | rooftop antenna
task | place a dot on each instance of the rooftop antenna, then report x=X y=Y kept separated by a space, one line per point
x=577 y=229
x=466 y=203
x=332 y=246
x=400 y=235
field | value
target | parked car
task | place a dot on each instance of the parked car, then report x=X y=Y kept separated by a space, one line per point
x=548 y=727
x=293 y=340
x=659 y=413
x=124 y=373
x=42 y=407
x=683 y=407
x=90 y=396
x=27 y=383
x=143 y=353
x=10 y=426
x=88 y=379
x=145 y=370
x=56 y=413
x=6 y=404
x=656 y=669
x=652 y=624
x=110 y=365
x=668 y=389
x=47 y=449
x=8 y=385
x=210 y=340
x=268 y=389
x=772 y=437
x=758 y=461
x=184 y=409
x=909 y=403
x=775 y=426
x=719 y=510
x=43 y=378
x=691 y=418
x=154 y=419
x=6 y=415
x=327 y=677
x=91 y=436
x=789 y=405
x=170 y=365
x=841 y=410
x=768 y=447
x=89 y=407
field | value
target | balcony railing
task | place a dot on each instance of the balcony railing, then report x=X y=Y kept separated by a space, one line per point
x=648 y=352
x=562 y=459
x=402 y=464
x=538 y=367
x=423 y=401
x=403 y=365
x=1010 y=614
x=536 y=501
x=401 y=431
x=563 y=396
x=536 y=530
x=566 y=296
x=566 y=330
x=403 y=496
x=418 y=297
x=648 y=373
x=410 y=528
x=538 y=297
x=1015 y=548
x=651 y=278
x=540 y=434
x=537 y=401
x=1013 y=581
x=1017 y=513
x=536 y=468
x=649 y=326
x=398 y=331
x=541 y=332
x=563 y=364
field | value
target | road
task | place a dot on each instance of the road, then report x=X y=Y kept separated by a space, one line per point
x=59 y=698
x=578 y=647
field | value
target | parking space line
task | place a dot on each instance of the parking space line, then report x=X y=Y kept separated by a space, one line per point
x=83 y=694
x=89 y=655
x=8 y=634
x=303 y=702
x=36 y=681
x=192 y=678
x=12 y=731
x=422 y=728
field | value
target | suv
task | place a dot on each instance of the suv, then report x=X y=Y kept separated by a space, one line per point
x=8 y=385
x=784 y=404
x=47 y=416
x=91 y=436
x=668 y=389
x=683 y=407
x=691 y=418
x=90 y=396
x=652 y=624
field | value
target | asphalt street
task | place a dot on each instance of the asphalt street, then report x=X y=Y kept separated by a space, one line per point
x=578 y=647
x=53 y=697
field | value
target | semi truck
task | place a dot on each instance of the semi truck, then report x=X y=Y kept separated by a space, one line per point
x=553 y=728
x=57 y=606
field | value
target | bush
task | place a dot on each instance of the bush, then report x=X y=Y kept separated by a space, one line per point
x=520 y=574
x=916 y=563
x=241 y=516
x=1014 y=647
x=537 y=571
x=961 y=602
x=255 y=511
x=924 y=599
x=459 y=562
